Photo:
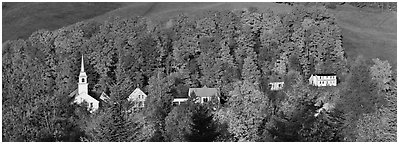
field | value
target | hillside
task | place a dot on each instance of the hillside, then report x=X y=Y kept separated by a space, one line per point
x=369 y=32
x=366 y=31
x=22 y=19
x=238 y=56
x=164 y=11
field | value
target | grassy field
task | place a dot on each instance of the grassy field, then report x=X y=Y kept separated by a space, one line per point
x=369 y=32
x=21 y=19
x=164 y=11
x=366 y=31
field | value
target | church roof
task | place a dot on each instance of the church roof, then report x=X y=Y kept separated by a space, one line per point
x=204 y=92
x=92 y=94
x=74 y=93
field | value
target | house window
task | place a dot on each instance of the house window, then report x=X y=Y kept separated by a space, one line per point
x=279 y=85
x=91 y=105
x=142 y=104
x=205 y=99
x=136 y=104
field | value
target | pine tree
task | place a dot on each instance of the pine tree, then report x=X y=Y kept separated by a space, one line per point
x=250 y=71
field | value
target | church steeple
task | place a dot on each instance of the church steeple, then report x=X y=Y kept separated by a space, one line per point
x=82 y=85
x=82 y=69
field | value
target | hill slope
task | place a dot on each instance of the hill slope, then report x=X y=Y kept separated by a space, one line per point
x=369 y=32
x=366 y=31
x=164 y=11
x=22 y=19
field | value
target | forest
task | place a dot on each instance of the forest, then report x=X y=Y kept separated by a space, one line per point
x=238 y=51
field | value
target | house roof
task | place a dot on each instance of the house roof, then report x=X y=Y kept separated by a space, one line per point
x=180 y=97
x=330 y=74
x=277 y=82
x=137 y=91
x=104 y=96
x=275 y=78
x=204 y=92
x=134 y=95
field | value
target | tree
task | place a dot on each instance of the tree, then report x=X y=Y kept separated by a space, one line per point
x=326 y=127
x=245 y=111
x=158 y=103
x=380 y=125
x=374 y=127
x=204 y=128
x=359 y=97
x=381 y=73
x=250 y=71
x=178 y=124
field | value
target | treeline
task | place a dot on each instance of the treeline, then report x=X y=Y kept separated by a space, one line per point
x=379 y=5
x=240 y=52
x=390 y=6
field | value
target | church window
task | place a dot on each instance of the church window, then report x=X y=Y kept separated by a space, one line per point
x=205 y=99
x=83 y=80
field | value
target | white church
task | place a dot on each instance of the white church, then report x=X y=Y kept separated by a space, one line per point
x=82 y=93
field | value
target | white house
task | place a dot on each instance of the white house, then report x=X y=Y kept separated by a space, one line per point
x=276 y=86
x=204 y=94
x=323 y=80
x=179 y=101
x=81 y=94
x=138 y=97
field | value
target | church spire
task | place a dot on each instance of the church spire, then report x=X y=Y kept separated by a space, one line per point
x=82 y=85
x=82 y=69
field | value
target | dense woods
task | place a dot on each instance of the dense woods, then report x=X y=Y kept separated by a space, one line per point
x=384 y=6
x=240 y=52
